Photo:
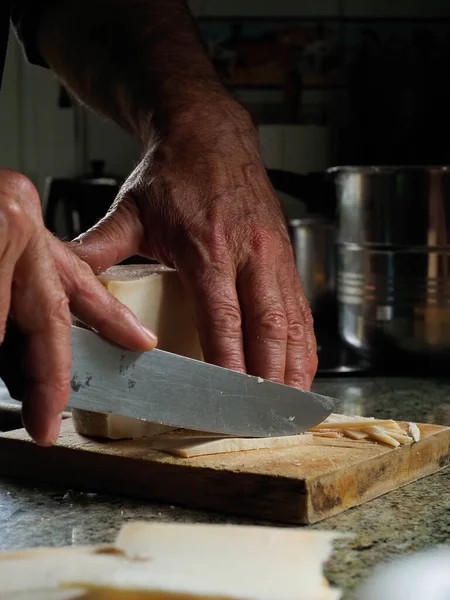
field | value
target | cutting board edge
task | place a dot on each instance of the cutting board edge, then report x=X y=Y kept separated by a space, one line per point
x=383 y=485
x=31 y=460
x=263 y=497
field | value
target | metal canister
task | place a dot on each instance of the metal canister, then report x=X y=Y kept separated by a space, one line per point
x=313 y=239
x=393 y=282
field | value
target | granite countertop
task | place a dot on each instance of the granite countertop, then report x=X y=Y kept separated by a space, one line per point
x=409 y=519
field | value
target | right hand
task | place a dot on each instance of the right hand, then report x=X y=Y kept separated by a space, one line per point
x=41 y=282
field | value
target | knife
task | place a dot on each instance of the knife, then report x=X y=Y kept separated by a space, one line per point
x=165 y=388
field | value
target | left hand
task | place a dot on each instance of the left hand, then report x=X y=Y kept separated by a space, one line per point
x=40 y=280
x=200 y=201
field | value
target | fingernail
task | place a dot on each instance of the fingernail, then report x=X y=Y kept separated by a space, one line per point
x=55 y=429
x=152 y=338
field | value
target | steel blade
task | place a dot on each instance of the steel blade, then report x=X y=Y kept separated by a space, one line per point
x=173 y=390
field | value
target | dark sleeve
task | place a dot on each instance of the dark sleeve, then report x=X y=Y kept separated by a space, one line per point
x=25 y=16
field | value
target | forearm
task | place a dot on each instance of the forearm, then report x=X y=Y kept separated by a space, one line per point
x=138 y=62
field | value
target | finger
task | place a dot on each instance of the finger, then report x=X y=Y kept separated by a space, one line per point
x=92 y=304
x=6 y=274
x=40 y=308
x=113 y=239
x=301 y=352
x=218 y=316
x=264 y=320
x=14 y=233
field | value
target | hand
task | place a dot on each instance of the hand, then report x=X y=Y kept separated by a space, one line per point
x=41 y=280
x=201 y=202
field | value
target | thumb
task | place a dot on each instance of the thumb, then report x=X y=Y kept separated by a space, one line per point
x=113 y=239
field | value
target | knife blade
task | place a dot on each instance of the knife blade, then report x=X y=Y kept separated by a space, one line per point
x=172 y=390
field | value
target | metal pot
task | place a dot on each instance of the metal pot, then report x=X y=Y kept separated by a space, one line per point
x=393 y=254
x=313 y=240
x=393 y=273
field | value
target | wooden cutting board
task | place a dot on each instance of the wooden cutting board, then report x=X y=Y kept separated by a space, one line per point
x=303 y=484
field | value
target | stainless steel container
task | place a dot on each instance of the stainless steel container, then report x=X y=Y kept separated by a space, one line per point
x=314 y=241
x=393 y=282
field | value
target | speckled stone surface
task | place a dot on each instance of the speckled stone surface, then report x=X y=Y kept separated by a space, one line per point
x=409 y=519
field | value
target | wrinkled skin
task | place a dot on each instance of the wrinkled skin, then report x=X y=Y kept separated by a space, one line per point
x=203 y=204
x=37 y=298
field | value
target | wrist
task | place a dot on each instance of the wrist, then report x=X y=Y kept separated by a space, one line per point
x=204 y=115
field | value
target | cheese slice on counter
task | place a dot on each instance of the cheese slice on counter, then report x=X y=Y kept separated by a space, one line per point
x=177 y=561
x=156 y=296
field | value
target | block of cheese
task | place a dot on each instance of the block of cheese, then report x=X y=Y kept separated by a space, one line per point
x=178 y=561
x=156 y=296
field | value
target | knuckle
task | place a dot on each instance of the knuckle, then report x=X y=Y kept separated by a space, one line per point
x=18 y=185
x=13 y=216
x=301 y=323
x=273 y=323
x=82 y=279
x=296 y=332
x=227 y=318
x=299 y=381
x=57 y=311
x=13 y=179
x=264 y=242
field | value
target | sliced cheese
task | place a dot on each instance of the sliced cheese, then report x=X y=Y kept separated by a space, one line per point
x=328 y=434
x=156 y=296
x=354 y=434
x=349 y=423
x=385 y=431
x=199 y=445
x=414 y=431
x=163 y=561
